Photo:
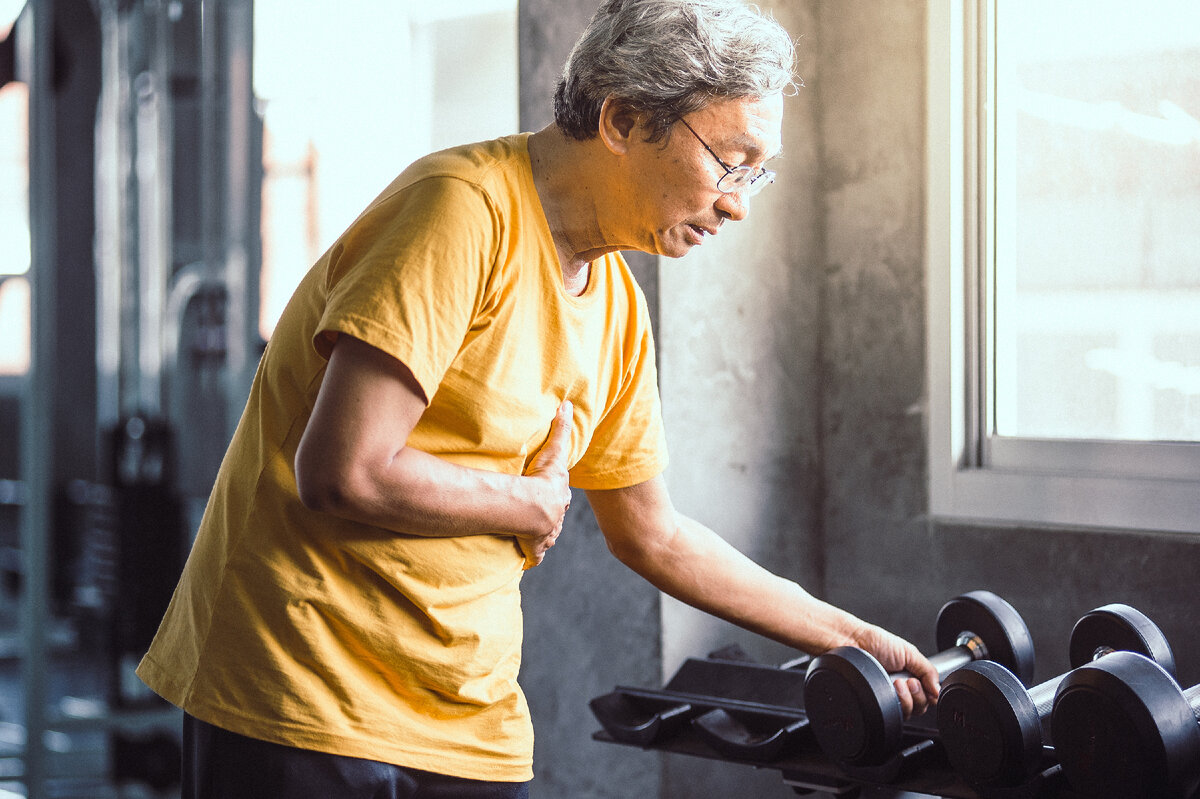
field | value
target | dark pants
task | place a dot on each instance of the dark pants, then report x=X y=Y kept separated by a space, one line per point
x=218 y=764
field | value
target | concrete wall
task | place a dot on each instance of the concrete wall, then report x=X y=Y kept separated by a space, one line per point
x=793 y=371
x=590 y=623
x=740 y=352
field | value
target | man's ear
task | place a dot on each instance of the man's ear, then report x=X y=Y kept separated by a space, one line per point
x=617 y=124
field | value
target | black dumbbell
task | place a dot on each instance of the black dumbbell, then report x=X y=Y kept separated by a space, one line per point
x=851 y=701
x=991 y=726
x=1124 y=729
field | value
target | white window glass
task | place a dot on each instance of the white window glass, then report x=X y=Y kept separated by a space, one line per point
x=14 y=217
x=1097 y=220
x=14 y=325
x=404 y=78
x=1063 y=245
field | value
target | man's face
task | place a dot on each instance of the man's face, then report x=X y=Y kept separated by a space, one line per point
x=677 y=180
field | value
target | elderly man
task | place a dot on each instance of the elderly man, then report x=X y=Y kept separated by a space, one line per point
x=348 y=623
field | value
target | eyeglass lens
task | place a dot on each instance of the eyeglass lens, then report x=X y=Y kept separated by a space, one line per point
x=742 y=178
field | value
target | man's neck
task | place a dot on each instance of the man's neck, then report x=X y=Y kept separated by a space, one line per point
x=571 y=192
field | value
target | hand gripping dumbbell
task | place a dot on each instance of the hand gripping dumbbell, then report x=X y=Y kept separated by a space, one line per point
x=851 y=701
x=991 y=726
x=1124 y=729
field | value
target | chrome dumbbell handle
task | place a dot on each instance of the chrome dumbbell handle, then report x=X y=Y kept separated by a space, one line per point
x=1042 y=695
x=967 y=648
x=1192 y=695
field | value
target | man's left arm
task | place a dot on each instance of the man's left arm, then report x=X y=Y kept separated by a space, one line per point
x=690 y=562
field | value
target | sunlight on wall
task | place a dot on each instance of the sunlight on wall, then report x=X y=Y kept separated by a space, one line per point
x=14 y=214
x=382 y=83
x=14 y=326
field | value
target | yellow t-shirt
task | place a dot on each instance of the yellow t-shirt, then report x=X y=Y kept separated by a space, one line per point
x=305 y=629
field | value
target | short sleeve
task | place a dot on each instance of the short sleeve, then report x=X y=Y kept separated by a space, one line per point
x=411 y=273
x=628 y=445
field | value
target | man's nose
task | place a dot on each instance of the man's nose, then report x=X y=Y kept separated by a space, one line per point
x=734 y=206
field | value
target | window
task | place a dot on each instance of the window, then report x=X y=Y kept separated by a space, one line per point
x=423 y=76
x=14 y=217
x=1064 y=262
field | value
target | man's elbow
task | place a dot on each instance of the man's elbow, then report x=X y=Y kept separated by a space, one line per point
x=622 y=550
x=641 y=553
x=324 y=489
x=315 y=493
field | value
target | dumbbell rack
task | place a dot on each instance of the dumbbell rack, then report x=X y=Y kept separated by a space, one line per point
x=730 y=708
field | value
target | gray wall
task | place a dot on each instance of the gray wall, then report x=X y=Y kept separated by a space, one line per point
x=792 y=364
x=740 y=352
x=590 y=623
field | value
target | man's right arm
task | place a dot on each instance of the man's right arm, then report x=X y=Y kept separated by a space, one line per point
x=353 y=462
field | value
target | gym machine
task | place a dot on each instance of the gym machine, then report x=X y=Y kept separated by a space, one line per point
x=144 y=164
x=1121 y=725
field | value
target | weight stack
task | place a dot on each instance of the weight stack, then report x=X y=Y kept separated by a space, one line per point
x=149 y=544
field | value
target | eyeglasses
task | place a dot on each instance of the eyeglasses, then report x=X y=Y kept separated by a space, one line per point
x=736 y=178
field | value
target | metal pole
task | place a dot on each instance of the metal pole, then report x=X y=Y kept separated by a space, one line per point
x=37 y=411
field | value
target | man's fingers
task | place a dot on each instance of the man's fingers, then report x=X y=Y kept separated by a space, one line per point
x=551 y=462
x=925 y=679
x=921 y=700
x=558 y=445
x=913 y=699
x=533 y=555
x=905 y=696
x=535 y=549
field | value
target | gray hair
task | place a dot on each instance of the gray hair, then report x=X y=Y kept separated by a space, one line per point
x=668 y=58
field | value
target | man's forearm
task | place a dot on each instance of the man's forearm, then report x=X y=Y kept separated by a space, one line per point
x=353 y=461
x=698 y=567
x=418 y=493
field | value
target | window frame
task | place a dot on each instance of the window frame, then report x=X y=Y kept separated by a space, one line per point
x=973 y=474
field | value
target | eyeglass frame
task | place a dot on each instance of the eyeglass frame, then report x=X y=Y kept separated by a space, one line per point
x=757 y=181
